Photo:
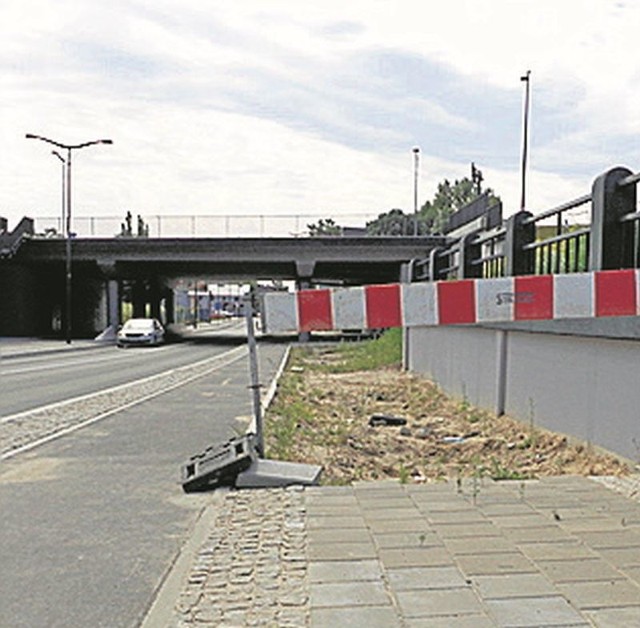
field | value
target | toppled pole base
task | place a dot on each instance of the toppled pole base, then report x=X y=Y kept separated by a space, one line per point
x=218 y=465
x=236 y=463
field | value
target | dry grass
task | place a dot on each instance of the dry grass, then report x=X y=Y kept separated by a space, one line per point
x=322 y=417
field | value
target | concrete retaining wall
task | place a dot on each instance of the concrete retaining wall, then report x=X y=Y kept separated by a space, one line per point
x=31 y=299
x=20 y=313
x=587 y=387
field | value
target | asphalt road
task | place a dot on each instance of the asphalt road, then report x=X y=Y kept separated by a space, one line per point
x=36 y=380
x=91 y=522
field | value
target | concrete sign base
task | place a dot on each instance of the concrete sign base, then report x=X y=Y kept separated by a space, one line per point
x=274 y=473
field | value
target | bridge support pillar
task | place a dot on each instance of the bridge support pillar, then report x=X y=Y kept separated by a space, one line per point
x=112 y=293
x=113 y=303
x=169 y=306
x=139 y=298
x=155 y=297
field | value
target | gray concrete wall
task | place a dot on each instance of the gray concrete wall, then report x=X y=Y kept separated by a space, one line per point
x=462 y=363
x=587 y=387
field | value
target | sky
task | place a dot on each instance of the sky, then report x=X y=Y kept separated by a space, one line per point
x=272 y=107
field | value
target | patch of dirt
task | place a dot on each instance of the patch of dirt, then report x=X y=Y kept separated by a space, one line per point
x=323 y=418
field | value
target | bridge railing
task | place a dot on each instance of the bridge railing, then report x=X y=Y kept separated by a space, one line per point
x=631 y=219
x=565 y=249
x=10 y=241
x=551 y=242
x=199 y=226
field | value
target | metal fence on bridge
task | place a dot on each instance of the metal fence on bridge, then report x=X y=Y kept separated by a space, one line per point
x=202 y=226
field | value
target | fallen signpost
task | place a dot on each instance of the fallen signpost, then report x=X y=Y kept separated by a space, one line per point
x=240 y=462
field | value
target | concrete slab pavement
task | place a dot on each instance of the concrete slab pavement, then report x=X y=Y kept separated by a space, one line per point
x=562 y=551
x=552 y=552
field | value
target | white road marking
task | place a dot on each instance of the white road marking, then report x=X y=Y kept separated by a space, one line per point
x=239 y=354
x=61 y=364
x=230 y=354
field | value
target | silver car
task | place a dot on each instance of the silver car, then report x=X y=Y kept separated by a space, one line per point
x=140 y=331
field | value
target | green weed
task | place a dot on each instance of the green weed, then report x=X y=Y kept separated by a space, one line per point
x=368 y=355
x=499 y=472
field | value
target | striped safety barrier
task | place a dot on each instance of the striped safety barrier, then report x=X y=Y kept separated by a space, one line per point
x=463 y=302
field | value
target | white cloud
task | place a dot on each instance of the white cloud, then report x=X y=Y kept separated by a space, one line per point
x=288 y=107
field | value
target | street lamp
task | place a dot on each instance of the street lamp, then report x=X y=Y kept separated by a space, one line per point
x=416 y=162
x=525 y=137
x=68 y=148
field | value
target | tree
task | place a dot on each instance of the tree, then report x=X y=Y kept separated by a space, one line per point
x=433 y=215
x=395 y=223
x=324 y=227
x=449 y=199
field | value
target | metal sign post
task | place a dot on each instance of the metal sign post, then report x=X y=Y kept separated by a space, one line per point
x=240 y=462
x=255 y=381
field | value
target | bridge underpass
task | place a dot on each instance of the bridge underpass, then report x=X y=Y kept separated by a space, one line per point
x=32 y=272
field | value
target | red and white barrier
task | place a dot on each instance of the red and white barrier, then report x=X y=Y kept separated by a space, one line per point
x=468 y=301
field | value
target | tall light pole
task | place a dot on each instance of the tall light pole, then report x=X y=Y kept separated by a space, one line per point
x=68 y=148
x=64 y=163
x=525 y=138
x=416 y=164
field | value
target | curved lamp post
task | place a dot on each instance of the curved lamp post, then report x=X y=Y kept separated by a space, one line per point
x=67 y=162
x=64 y=163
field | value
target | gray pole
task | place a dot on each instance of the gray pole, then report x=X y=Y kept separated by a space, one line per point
x=68 y=272
x=416 y=158
x=255 y=381
x=195 y=304
x=525 y=138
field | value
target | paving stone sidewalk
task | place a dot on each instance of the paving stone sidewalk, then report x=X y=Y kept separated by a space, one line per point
x=562 y=551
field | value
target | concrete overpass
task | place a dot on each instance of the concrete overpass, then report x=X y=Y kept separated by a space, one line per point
x=32 y=270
